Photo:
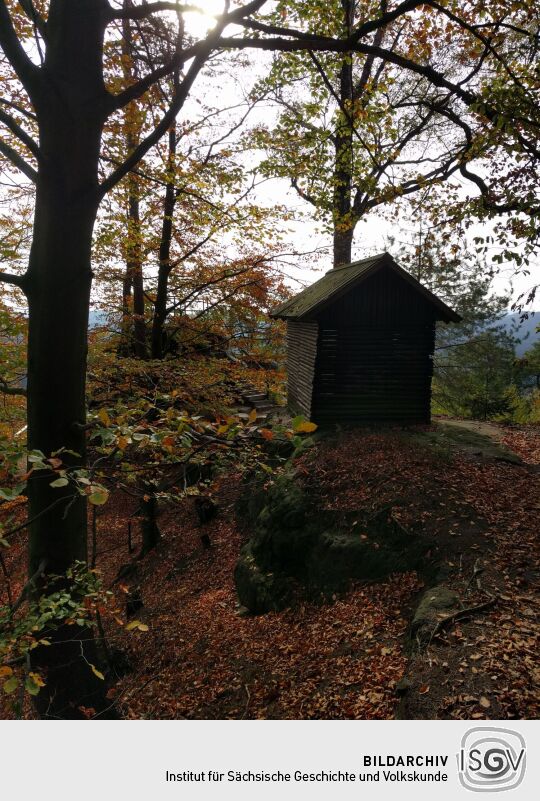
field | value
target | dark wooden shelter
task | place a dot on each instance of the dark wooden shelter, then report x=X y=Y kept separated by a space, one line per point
x=360 y=345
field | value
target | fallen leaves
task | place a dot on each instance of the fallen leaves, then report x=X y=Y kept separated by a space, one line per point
x=200 y=658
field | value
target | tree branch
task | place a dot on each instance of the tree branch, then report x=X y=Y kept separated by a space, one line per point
x=161 y=128
x=19 y=132
x=17 y=160
x=136 y=90
x=7 y=390
x=141 y=12
x=28 y=73
x=436 y=78
x=359 y=33
x=15 y=280
x=181 y=93
x=18 y=108
x=32 y=14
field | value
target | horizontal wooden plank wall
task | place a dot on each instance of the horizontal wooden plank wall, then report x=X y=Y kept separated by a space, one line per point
x=368 y=373
x=301 y=355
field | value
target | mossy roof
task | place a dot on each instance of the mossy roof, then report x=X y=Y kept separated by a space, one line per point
x=338 y=281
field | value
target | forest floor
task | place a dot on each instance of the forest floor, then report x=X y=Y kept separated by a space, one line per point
x=199 y=656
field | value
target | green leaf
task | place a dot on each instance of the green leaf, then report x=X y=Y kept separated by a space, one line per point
x=11 y=685
x=11 y=494
x=99 y=496
x=59 y=482
x=36 y=456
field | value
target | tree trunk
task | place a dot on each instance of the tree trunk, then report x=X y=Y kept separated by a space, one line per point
x=58 y=289
x=162 y=294
x=133 y=279
x=343 y=246
x=58 y=299
x=343 y=164
x=57 y=284
x=134 y=269
x=151 y=534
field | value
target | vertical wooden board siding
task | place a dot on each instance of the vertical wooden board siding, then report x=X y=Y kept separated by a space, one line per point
x=301 y=355
x=384 y=299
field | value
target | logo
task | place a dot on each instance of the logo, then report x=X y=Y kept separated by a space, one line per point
x=491 y=759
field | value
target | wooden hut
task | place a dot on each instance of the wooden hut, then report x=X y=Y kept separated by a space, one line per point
x=360 y=345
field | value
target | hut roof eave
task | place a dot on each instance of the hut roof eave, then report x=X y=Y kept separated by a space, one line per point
x=336 y=282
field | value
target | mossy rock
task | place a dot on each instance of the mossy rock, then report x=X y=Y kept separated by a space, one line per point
x=285 y=531
x=284 y=549
x=433 y=604
x=258 y=590
x=286 y=506
x=340 y=557
x=294 y=540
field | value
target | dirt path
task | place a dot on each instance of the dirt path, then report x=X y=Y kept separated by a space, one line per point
x=488 y=440
x=478 y=426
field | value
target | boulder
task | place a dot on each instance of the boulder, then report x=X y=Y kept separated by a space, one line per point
x=258 y=590
x=293 y=542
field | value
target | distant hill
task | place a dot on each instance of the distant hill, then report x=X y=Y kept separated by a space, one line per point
x=526 y=331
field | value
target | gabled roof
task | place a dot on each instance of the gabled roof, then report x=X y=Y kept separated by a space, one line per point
x=340 y=280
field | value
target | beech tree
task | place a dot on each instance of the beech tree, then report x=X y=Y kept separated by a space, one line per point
x=60 y=94
x=356 y=131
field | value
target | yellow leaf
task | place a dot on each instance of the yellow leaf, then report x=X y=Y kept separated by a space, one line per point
x=5 y=671
x=97 y=673
x=252 y=415
x=306 y=428
x=136 y=624
x=37 y=679
x=122 y=443
x=104 y=417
